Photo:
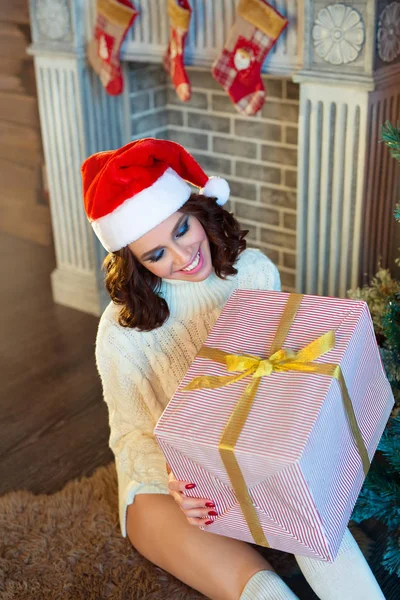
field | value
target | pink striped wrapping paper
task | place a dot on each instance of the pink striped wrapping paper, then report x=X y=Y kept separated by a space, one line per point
x=296 y=451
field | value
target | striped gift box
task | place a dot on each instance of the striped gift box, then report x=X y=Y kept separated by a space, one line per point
x=296 y=451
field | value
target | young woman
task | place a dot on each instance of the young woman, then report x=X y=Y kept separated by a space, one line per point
x=174 y=259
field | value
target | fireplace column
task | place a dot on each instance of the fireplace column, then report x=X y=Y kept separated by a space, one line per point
x=77 y=118
x=349 y=86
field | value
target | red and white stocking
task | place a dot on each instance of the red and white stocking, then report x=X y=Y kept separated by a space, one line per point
x=179 y=12
x=238 y=69
x=113 y=20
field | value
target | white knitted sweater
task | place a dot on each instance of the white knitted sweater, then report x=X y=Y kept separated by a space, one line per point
x=140 y=371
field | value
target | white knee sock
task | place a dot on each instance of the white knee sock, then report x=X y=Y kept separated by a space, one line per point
x=267 y=585
x=349 y=577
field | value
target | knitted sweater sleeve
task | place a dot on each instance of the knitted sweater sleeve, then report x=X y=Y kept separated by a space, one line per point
x=141 y=466
x=258 y=272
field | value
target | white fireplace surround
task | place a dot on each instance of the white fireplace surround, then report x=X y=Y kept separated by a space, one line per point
x=349 y=85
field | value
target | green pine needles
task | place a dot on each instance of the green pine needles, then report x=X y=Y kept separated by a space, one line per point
x=390 y=350
x=380 y=497
x=391 y=136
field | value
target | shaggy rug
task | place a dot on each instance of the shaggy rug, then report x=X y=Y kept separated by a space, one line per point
x=68 y=546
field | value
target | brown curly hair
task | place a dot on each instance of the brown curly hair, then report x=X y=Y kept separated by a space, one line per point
x=136 y=289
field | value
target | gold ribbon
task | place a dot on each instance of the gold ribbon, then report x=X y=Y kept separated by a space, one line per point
x=252 y=366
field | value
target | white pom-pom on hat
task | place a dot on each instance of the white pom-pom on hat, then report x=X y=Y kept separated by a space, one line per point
x=217 y=187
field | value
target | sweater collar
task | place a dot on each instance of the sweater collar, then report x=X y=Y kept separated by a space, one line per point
x=187 y=299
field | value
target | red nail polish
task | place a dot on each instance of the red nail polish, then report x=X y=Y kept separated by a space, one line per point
x=190 y=486
x=212 y=513
x=208 y=522
x=210 y=505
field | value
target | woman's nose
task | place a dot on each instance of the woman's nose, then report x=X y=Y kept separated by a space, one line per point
x=182 y=257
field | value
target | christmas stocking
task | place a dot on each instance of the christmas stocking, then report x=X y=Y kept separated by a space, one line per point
x=238 y=69
x=114 y=18
x=179 y=12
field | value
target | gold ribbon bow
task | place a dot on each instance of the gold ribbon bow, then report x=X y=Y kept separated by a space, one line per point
x=279 y=360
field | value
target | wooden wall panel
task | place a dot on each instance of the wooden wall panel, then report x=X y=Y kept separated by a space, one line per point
x=32 y=221
x=20 y=144
x=15 y=11
x=13 y=42
x=19 y=182
x=24 y=208
x=18 y=76
x=17 y=108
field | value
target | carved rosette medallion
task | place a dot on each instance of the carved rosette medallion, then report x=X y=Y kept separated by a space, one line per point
x=388 y=36
x=338 y=34
x=52 y=19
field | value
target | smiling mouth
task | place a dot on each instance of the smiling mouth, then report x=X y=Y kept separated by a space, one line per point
x=193 y=264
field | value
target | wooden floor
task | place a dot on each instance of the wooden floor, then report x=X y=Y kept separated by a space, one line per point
x=53 y=420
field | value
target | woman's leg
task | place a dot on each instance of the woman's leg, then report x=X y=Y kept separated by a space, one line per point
x=347 y=578
x=221 y=568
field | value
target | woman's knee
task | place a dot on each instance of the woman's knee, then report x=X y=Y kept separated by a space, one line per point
x=217 y=566
x=149 y=522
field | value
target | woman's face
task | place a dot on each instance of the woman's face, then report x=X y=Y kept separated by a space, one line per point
x=178 y=248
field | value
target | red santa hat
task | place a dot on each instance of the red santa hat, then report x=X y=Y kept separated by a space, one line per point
x=129 y=191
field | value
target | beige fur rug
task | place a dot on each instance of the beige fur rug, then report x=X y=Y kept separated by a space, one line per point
x=68 y=546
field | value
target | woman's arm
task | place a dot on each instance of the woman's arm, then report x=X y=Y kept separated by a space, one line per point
x=258 y=272
x=125 y=390
x=131 y=430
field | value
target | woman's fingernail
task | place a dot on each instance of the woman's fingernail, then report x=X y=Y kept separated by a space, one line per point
x=212 y=513
x=208 y=522
x=210 y=504
x=190 y=486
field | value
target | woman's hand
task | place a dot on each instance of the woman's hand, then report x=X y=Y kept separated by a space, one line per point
x=196 y=510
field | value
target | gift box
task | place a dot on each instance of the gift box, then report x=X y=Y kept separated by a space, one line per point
x=278 y=418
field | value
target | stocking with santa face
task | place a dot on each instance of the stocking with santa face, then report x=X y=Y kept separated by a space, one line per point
x=238 y=69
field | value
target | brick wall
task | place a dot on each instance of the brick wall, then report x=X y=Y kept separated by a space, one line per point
x=147 y=100
x=257 y=155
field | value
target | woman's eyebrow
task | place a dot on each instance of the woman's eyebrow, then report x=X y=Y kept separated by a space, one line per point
x=150 y=252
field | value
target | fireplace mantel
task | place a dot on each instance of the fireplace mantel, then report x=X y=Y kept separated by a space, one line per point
x=346 y=185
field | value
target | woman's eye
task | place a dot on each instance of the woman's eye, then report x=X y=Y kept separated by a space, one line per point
x=156 y=257
x=184 y=228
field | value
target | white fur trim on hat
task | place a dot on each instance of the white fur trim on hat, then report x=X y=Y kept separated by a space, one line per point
x=147 y=209
x=217 y=187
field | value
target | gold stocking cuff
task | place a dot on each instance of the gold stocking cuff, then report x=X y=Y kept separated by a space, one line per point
x=262 y=16
x=180 y=17
x=119 y=14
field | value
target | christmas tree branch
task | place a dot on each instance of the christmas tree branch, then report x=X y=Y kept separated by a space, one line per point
x=380 y=496
x=391 y=137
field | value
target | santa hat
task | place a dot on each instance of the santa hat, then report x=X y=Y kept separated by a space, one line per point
x=129 y=191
